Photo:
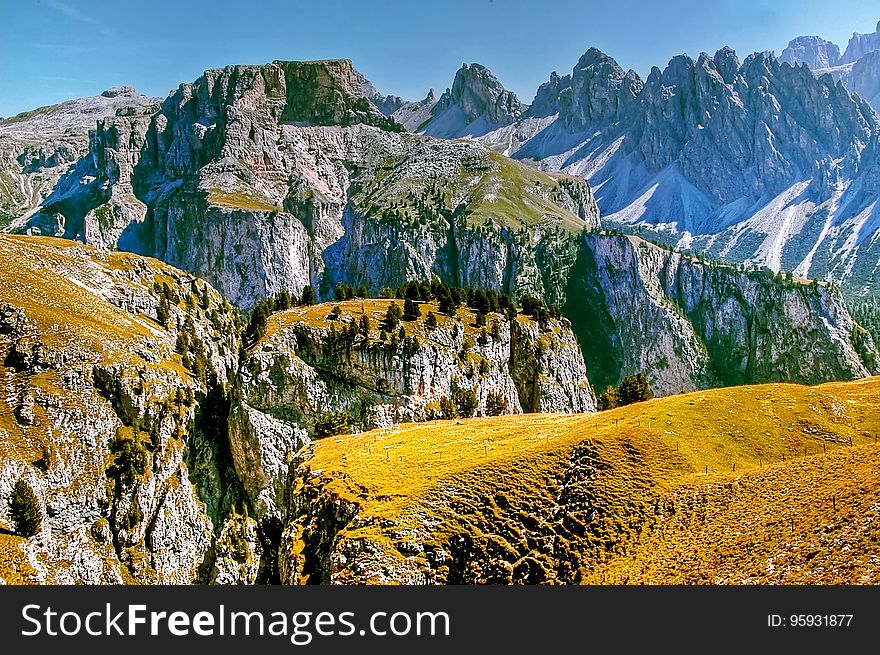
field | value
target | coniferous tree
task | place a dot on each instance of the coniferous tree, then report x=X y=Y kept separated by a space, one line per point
x=163 y=311
x=411 y=311
x=308 y=296
x=258 y=321
x=24 y=509
x=431 y=320
x=609 y=398
x=392 y=317
x=634 y=389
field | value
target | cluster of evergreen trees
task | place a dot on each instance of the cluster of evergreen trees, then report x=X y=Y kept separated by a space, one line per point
x=866 y=312
x=448 y=298
x=633 y=389
x=280 y=302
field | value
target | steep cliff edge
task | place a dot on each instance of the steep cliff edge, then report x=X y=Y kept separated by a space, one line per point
x=338 y=361
x=37 y=148
x=111 y=370
x=267 y=178
x=690 y=324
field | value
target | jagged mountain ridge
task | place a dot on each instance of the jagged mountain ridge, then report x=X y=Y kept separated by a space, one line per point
x=268 y=178
x=858 y=68
x=754 y=161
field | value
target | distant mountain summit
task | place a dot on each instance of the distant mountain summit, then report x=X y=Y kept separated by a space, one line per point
x=474 y=105
x=37 y=147
x=755 y=161
x=858 y=68
x=813 y=51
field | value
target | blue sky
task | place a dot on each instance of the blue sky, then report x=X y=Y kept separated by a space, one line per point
x=52 y=50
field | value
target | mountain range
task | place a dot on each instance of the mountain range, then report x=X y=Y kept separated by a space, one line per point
x=198 y=290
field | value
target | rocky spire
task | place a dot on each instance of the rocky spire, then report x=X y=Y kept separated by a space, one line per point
x=595 y=93
x=478 y=94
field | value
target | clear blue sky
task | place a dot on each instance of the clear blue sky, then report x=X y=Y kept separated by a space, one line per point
x=52 y=50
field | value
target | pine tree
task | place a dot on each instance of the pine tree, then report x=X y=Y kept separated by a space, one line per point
x=496 y=404
x=24 y=509
x=392 y=317
x=308 y=296
x=283 y=301
x=609 y=398
x=447 y=305
x=634 y=389
x=411 y=311
x=257 y=325
x=163 y=311
x=431 y=321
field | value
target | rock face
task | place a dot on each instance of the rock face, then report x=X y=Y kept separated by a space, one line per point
x=862 y=77
x=754 y=161
x=266 y=178
x=690 y=325
x=813 y=51
x=597 y=92
x=38 y=147
x=476 y=104
x=310 y=366
x=860 y=45
x=102 y=417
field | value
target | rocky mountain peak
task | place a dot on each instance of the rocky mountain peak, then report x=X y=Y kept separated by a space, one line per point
x=387 y=104
x=813 y=51
x=116 y=91
x=860 y=45
x=329 y=92
x=727 y=64
x=479 y=94
x=598 y=90
x=595 y=93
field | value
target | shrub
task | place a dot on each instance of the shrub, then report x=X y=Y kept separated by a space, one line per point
x=465 y=402
x=24 y=509
x=496 y=404
x=448 y=409
x=130 y=458
x=332 y=423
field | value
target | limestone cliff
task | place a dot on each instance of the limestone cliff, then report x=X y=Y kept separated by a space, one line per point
x=38 y=147
x=315 y=362
x=266 y=178
x=692 y=324
x=111 y=365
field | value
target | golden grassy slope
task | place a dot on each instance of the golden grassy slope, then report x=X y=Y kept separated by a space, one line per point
x=488 y=478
